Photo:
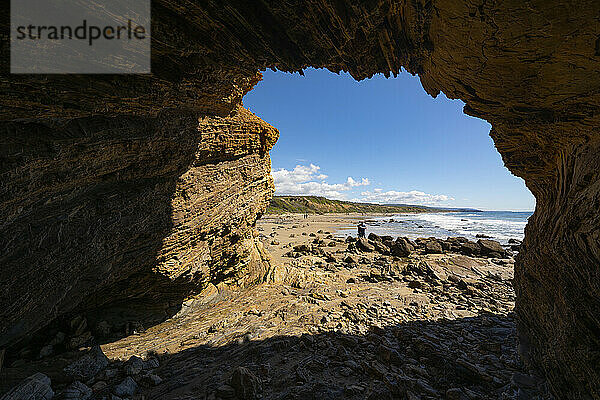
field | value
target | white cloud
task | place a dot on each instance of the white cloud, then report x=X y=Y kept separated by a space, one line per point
x=352 y=183
x=412 y=197
x=307 y=180
x=300 y=173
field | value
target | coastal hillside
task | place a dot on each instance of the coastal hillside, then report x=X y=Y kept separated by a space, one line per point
x=322 y=205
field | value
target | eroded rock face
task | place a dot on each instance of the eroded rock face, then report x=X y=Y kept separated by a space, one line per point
x=557 y=280
x=110 y=210
x=74 y=221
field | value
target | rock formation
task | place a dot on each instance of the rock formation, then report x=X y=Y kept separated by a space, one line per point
x=128 y=210
x=111 y=189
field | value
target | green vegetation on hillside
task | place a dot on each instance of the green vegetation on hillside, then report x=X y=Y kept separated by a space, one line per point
x=322 y=205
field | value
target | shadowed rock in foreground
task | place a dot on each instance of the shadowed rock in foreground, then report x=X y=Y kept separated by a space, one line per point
x=129 y=214
x=361 y=325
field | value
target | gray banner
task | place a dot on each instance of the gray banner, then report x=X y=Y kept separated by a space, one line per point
x=80 y=37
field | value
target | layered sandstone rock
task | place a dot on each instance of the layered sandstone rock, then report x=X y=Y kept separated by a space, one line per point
x=73 y=221
x=104 y=211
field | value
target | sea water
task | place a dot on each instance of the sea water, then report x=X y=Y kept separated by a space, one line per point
x=498 y=225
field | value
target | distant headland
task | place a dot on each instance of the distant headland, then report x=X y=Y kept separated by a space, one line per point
x=322 y=205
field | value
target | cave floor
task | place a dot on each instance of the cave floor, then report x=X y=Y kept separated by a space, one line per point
x=429 y=326
x=377 y=327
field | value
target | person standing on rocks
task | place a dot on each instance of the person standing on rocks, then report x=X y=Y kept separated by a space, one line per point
x=362 y=228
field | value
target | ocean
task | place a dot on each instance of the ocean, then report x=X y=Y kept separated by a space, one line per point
x=498 y=225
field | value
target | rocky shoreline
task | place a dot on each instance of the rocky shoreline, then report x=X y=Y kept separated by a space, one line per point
x=375 y=318
x=404 y=246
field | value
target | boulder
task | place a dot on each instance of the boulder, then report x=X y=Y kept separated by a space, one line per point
x=76 y=391
x=411 y=242
x=374 y=237
x=388 y=243
x=89 y=365
x=36 y=387
x=457 y=239
x=470 y=249
x=151 y=363
x=46 y=351
x=491 y=246
x=405 y=241
x=363 y=245
x=446 y=246
x=349 y=260
x=134 y=366
x=302 y=248
x=126 y=388
x=381 y=248
x=401 y=248
x=152 y=380
x=330 y=258
x=433 y=247
x=421 y=242
x=292 y=254
x=317 y=251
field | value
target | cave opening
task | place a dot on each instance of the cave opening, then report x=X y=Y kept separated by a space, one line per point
x=382 y=140
x=73 y=234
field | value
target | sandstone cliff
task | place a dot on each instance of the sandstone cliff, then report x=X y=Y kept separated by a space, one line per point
x=101 y=211
x=72 y=221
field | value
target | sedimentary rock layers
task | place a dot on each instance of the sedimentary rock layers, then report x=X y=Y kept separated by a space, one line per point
x=91 y=201
x=105 y=210
x=557 y=279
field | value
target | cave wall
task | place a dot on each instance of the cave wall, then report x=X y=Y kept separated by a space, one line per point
x=557 y=277
x=99 y=211
x=532 y=69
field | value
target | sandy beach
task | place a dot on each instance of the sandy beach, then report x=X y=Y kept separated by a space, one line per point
x=293 y=229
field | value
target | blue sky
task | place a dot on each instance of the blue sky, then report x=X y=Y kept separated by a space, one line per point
x=381 y=140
